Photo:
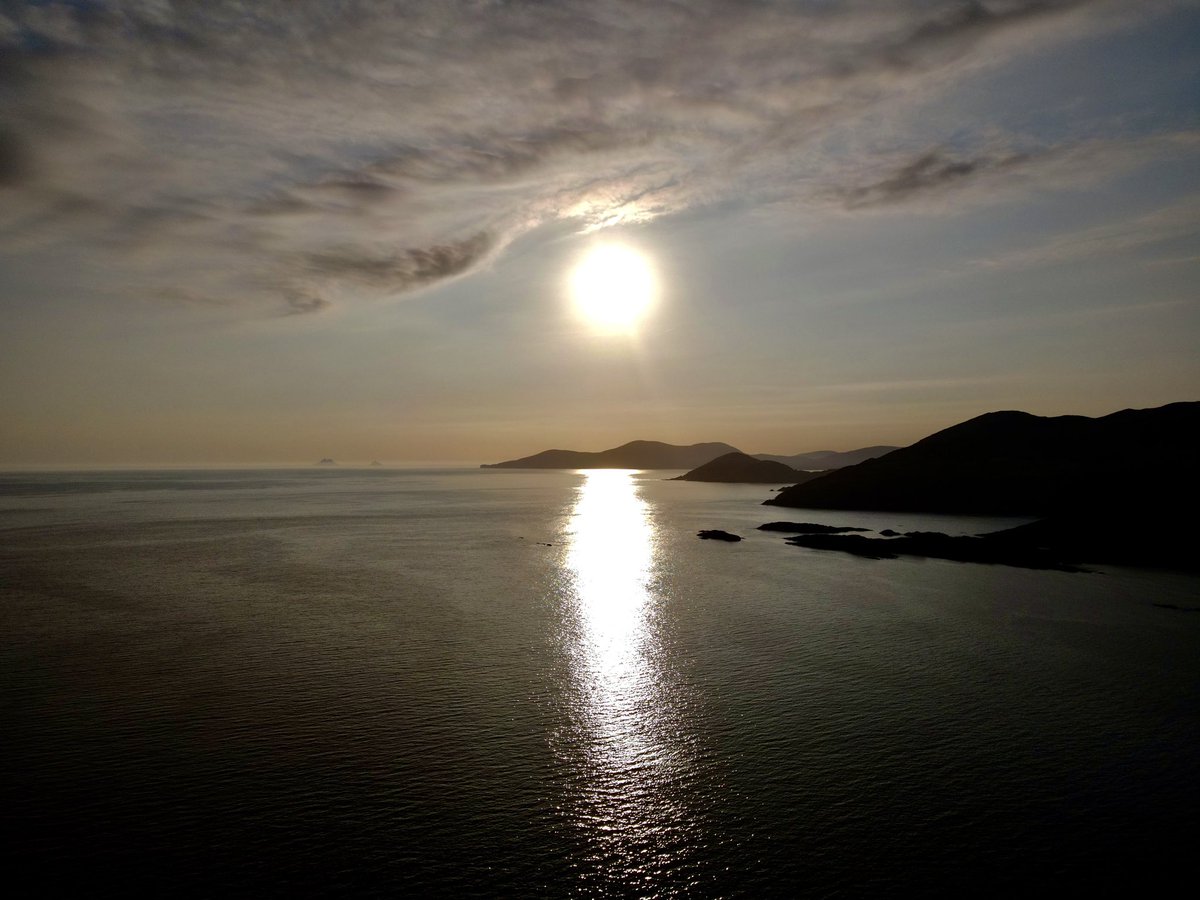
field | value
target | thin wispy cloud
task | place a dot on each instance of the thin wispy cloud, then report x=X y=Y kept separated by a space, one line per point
x=938 y=179
x=1142 y=233
x=288 y=155
x=931 y=172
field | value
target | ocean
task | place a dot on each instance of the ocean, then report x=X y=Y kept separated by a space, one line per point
x=475 y=683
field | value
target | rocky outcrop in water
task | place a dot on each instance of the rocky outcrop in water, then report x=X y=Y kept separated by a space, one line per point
x=1064 y=543
x=807 y=528
x=935 y=545
x=715 y=534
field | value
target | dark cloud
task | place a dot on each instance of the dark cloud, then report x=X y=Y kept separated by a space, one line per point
x=404 y=270
x=16 y=163
x=958 y=25
x=302 y=304
x=931 y=171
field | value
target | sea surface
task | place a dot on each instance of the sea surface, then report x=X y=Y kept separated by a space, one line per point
x=542 y=684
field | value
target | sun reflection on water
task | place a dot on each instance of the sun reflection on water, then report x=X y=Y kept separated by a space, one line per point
x=629 y=755
x=609 y=557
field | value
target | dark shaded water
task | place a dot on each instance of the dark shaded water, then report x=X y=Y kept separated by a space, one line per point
x=386 y=682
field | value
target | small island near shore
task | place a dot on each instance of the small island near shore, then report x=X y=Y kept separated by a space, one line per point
x=808 y=528
x=716 y=534
x=738 y=468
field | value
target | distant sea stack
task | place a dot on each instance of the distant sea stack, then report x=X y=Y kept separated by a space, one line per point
x=1014 y=463
x=634 y=455
x=738 y=468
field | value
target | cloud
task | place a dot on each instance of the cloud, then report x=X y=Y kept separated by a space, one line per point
x=14 y=159
x=401 y=271
x=955 y=27
x=931 y=171
x=1158 y=228
x=925 y=180
x=284 y=154
x=299 y=305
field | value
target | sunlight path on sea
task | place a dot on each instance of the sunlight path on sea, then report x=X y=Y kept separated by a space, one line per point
x=631 y=754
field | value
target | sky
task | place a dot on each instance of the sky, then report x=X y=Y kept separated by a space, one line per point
x=271 y=232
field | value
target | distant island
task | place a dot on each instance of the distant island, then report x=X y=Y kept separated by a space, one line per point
x=738 y=468
x=634 y=455
x=326 y=461
x=657 y=455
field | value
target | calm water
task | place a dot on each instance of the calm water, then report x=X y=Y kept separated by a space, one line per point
x=542 y=684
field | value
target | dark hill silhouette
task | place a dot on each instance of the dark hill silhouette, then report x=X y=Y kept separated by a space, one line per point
x=1014 y=463
x=738 y=468
x=634 y=455
x=827 y=459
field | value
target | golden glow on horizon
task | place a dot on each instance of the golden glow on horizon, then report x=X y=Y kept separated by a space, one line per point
x=613 y=287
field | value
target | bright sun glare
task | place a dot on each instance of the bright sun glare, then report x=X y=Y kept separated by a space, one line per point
x=613 y=287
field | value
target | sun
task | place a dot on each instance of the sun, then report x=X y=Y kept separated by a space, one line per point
x=613 y=287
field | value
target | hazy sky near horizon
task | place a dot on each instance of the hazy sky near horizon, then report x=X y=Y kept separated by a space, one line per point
x=278 y=231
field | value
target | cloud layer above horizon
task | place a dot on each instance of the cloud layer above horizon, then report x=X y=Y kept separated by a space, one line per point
x=277 y=158
x=290 y=229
